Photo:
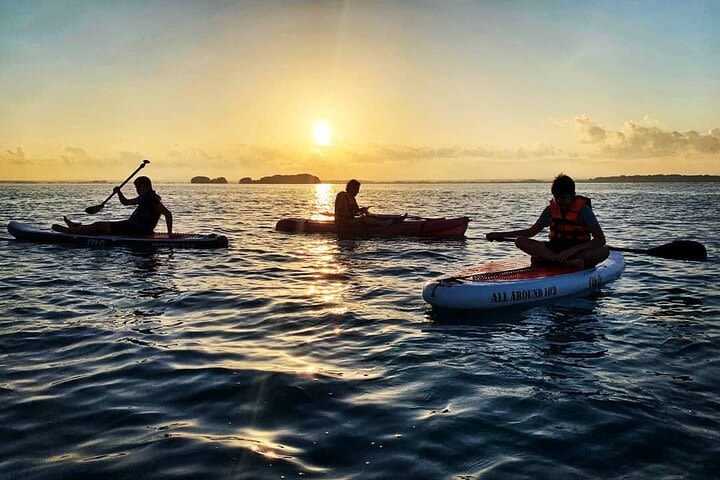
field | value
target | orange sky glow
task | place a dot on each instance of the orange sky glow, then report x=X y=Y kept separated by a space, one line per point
x=377 y=91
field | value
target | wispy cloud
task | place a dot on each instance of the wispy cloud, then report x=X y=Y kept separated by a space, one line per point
x=130 y=157
x=195 y=157
x=76 y=155
x=647 y=139
x=16 y=156
x=378 y=153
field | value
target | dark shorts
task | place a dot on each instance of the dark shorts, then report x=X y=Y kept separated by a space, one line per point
x=558 y=247
x=126 y=227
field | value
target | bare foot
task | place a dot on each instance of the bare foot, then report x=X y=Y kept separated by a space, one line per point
x=69 y=222
x=575 y=263
x=539 y=262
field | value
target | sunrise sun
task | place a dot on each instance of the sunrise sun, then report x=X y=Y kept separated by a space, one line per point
x=322 y=135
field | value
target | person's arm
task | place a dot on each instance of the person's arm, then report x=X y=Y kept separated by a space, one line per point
x=353 y=207
x=587 y=218
x=528 y=232
x=598 y=240
x=542 y=222
x=168 y=218
x=123 y=199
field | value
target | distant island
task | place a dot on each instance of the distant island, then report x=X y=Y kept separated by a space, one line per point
x=661 y=178
x=300 y=178
x=208 y=180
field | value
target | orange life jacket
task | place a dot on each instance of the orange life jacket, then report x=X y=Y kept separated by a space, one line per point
x=566 y=228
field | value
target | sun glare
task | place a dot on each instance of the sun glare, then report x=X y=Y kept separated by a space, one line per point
x=321 y=134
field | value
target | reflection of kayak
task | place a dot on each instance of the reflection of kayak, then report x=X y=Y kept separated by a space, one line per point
x=508 y=283
x=409 y=227
x=29 y=233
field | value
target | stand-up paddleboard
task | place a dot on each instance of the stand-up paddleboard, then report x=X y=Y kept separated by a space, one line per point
x=516 y=282
x=29 y=233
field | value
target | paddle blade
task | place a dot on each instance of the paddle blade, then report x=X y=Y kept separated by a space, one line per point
x=680 y=250
x=94 y=209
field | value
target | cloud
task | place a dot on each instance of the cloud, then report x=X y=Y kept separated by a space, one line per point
x=73 y=155
x=272 y=155
x=376 y=153
x=194 y=157
x=129 y=157
x=648 y=139
x=648 y=120
x=17 y=156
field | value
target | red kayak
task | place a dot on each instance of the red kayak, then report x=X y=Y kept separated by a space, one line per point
x=408 y=227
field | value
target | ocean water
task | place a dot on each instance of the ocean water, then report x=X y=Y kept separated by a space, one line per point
x=309 y=356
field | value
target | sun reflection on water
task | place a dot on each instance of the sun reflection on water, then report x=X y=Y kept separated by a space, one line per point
x=324 y=204
x=329 y=274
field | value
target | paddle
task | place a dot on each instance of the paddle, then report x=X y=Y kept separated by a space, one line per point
x=382 y=216
x=332 y=214
x=97 y=208
x=676 y=250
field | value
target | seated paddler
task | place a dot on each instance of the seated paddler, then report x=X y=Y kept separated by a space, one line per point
x=576 y=238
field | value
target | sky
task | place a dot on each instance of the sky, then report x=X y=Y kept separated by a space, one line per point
x=406 y=90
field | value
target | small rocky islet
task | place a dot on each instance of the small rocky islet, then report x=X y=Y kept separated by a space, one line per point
x=300 y=178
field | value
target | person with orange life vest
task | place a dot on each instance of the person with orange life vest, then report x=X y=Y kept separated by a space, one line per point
x=576 y=238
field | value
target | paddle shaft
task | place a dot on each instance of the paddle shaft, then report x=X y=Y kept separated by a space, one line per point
x=677 y=250
x=409 y=217
x=142 y=165
x=629 y=250
x=614 y=249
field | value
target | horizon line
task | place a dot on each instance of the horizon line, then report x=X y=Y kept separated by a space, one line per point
x=599 y=179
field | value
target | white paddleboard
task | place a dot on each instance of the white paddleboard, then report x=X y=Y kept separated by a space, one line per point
x=516 y=282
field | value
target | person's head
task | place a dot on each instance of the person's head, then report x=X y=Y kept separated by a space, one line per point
x=352 y=187
x=563 y=189
x=142 y=185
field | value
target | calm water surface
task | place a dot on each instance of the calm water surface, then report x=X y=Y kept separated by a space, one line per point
x=307 y=356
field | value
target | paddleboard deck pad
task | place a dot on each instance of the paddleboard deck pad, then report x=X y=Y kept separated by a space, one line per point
x=30 y=233
x=516 y=282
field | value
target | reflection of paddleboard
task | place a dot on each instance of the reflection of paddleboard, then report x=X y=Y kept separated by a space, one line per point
x=508 y=283
x=29 y=233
